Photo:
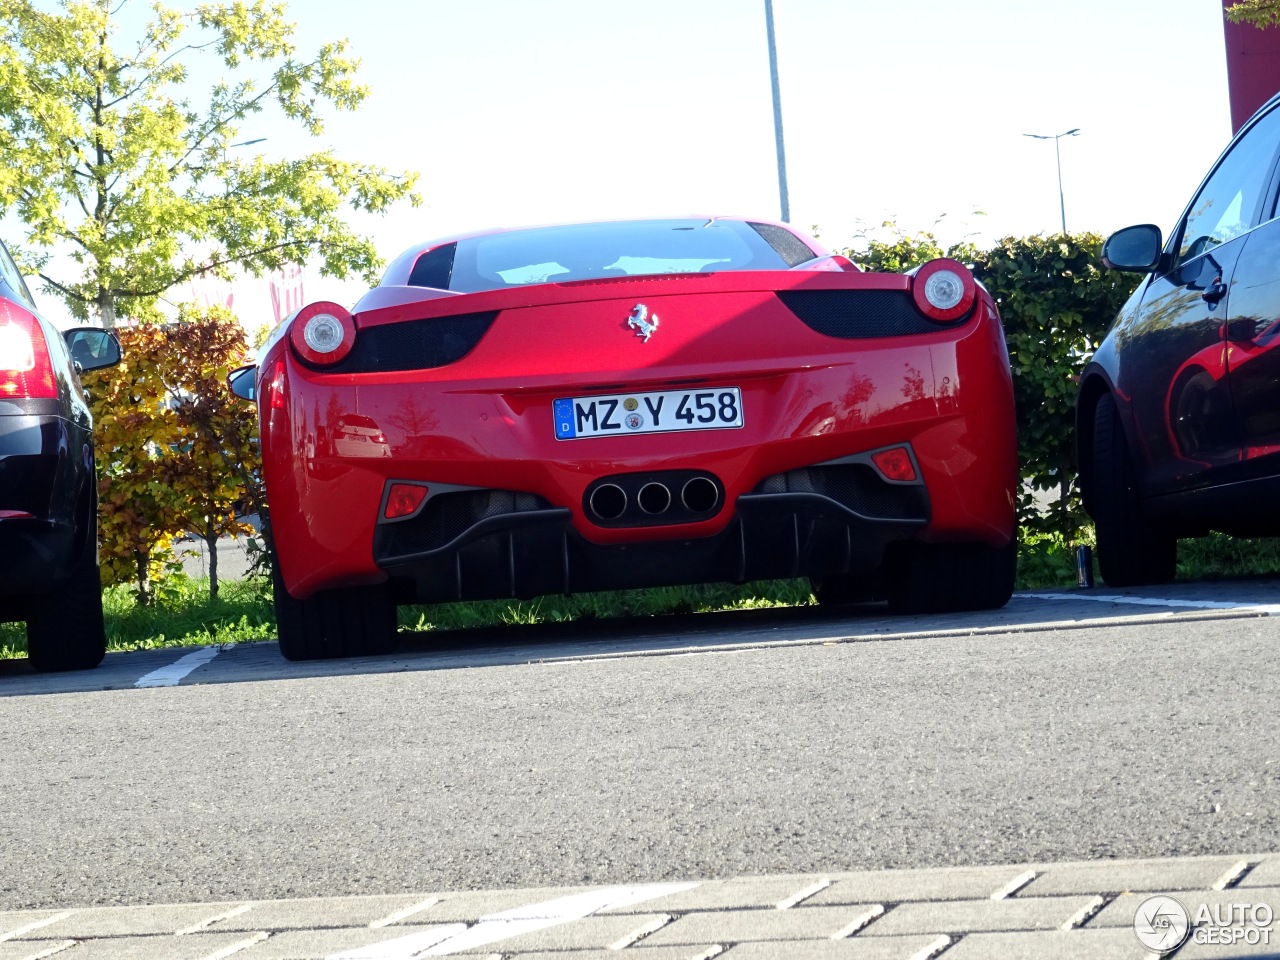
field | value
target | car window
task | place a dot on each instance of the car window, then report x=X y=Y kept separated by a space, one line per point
x=1227 y=205
x=12 y=277
x=591 y=251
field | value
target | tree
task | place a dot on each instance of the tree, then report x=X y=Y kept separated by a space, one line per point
x=176 y=452
x=108 y=158
x=218 y=472
x=137 y=435
x=1260 y=13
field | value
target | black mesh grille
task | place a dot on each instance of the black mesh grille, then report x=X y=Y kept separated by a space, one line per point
x=448 y=516
x=858 y=314
x=415 y=344
x=857 y=487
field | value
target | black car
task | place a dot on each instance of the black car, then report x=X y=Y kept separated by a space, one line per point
x=48 y=493
x=1178 y=413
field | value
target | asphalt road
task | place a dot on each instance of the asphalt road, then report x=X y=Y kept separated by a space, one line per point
x=765 y=742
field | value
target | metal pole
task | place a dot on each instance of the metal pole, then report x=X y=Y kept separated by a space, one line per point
x=1062 y=203
x=1057 y=153
x=777 y=112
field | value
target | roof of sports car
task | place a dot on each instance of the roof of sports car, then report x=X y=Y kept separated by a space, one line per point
x=493 y=259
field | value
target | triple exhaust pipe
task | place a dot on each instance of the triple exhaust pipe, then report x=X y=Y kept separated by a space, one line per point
x=641 y=500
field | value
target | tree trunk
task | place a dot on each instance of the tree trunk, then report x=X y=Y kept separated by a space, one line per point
x=211 y=539
x=143 y=559
x=106 y=307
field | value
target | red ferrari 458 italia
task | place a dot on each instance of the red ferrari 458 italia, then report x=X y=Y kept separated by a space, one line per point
x=635 y=404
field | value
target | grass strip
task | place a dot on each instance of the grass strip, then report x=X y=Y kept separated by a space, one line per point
x=183 y=614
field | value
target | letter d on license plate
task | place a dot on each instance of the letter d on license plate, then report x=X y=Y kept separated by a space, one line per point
x=718 y=408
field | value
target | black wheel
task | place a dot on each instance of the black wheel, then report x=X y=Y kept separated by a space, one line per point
x=64 y=627
x=950 y=577
x=350 y=622
x=1132 y=551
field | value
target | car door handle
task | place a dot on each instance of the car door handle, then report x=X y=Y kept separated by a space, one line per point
x=1216 y=292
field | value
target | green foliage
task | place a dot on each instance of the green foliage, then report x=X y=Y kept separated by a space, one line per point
x=1056 y=302
x=890 y=250
x=1260 y=13
x=181 y=615
x=135 y=434
x=600 y=606
x=176 y=452
x=109 y=159
x=1218 y=556
x=1047 y=560
x=219 y=472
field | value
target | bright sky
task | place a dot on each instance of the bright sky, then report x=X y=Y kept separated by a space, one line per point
x=518 y=112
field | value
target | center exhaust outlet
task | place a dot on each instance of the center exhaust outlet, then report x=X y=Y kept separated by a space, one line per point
x=654 y=498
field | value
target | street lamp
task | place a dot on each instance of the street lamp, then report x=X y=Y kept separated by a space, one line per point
x=242 y=143
x=1055 y=138
x=777 y=112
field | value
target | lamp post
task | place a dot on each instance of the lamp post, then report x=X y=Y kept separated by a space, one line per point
x=1062 y=204
x=242 y=143
x=777 y=112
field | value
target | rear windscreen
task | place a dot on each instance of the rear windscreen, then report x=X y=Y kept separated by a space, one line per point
x=598 y=250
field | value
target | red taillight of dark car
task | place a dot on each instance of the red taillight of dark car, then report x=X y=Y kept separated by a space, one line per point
x=323 y=333
x=944 y=290
x=26 y=370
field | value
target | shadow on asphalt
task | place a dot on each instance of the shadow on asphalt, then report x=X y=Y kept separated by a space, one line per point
x=479 y=647
x=633 y=636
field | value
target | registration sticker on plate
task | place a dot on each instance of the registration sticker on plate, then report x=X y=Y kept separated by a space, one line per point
x=717 y=409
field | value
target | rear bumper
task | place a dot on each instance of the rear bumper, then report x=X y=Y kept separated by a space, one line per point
x=534 y=551
x=945 y=395
x=41 y=480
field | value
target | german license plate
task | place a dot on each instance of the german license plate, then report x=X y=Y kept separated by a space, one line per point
x=719 y=408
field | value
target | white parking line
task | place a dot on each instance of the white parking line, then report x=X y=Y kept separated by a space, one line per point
x=172 y=675
x=402 y=948
x=405 y=913
x=50 y=951
x=35 y=925
x=493 y=927
x=1268 y=609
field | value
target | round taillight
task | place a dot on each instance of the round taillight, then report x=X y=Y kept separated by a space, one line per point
x=944 y=290
x=323 y=333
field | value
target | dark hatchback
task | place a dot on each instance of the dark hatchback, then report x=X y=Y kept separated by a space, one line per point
x=48 y=493
x=1178 y=413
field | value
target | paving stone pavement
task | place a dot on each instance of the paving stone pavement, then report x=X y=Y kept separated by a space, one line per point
x=1036 y=911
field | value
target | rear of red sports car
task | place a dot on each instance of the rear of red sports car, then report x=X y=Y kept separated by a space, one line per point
x=605 y=406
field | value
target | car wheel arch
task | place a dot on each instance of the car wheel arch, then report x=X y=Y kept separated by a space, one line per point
x=1093 y=387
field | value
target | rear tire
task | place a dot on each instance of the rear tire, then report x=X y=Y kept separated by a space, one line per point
x=1132 y=551
x=951 y=577
x=347 y=622
x=65 y=630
